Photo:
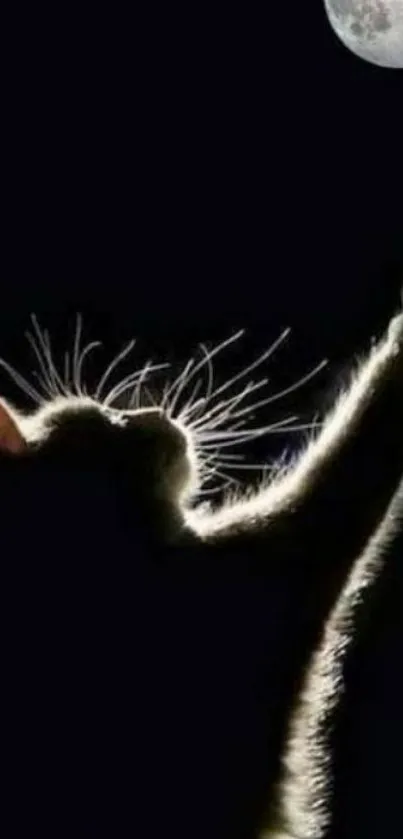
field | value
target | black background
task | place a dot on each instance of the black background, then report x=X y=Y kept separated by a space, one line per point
x=180 y=177
x=184 y=173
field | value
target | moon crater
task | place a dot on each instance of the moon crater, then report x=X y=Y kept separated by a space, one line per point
x=372 y=29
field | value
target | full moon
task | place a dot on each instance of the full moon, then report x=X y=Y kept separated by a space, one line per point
x=372 y=29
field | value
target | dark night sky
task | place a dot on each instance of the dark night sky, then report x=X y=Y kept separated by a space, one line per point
x=219 y=171
x=181 y=177
x=199 y=179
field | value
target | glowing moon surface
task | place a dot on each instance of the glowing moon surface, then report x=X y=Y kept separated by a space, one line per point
x=372 y=29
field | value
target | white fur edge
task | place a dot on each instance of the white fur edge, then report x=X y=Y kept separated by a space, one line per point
x=306 y=752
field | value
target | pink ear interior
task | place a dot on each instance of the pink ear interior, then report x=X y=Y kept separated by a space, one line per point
x=11 y=439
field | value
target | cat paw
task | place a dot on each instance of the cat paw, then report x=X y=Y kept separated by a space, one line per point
x=395 y=332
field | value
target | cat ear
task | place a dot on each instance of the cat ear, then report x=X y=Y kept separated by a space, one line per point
x=11 y=439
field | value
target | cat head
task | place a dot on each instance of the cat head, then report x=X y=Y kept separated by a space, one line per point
x=156 y=459
x=142 y=454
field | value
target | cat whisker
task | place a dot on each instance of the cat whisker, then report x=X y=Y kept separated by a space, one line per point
x=122 y=387
x=165 y=405
x=44 y=385
x=232 y=461
x=223 y=424
x=232 y=431
x=296 y=385
x=194 y=405
x=211 y=395
x=225 y=407
x=129 y=382
x=44 y=344
x=243 y=423
x=229 y=438
x=268 y=400
x=25 y=386
x=44 y=380
x=185 y=381
x=192 y=402
x=210 y=472
x=212 y=460
x=112 y=366
x=80 y=388
x=215 y=432
x=151 y=399
x=235 y=457
x=263 y=357
x=214 y=490
x=76 y=353
x=66 y=369
x=73 y=366
x=259 y=467
x=135 y=399
x=210 y=372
